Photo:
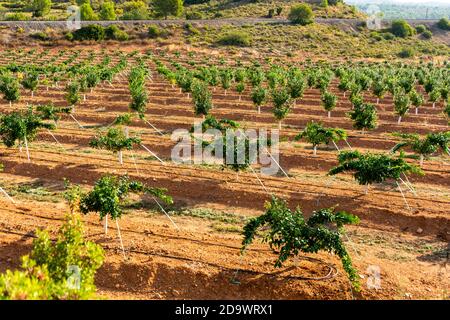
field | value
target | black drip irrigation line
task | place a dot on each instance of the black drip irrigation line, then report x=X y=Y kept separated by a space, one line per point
x=332 y=271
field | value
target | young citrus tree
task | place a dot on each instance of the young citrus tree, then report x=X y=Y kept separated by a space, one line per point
x=316 y=134
x=259 y=97
x=201 y=97
x=21 y=127
x=402 y=104
x=108 y=195
x=31 y=81
x=282 y=103
x=364 y=116
x=73 y=93
x=10 y=87
x=426 y=146
x=114 y=140
x=290 y=233
x=372 y=168
x=329 y=102
x=416 y=99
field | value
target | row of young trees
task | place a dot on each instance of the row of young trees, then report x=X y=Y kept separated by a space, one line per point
x=282 y=86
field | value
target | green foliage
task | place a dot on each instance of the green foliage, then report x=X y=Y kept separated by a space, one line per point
x=139 y=95
x=290 y=233
x=316 y=134
x=281 y=103
x=424 y=146
x=114 y=140
x=164 y=8
x=402 y=103
x=107 y=11
x=416 y=98
x=329 y=101
x=201 y=97
x=48 y=272
x=113 y=32
x=40 y=8
x=406 y=53
x=50 y=112
x=10 y=87
x=258 y=96
x=235 y=38
x=90 y=32
x=444 y=24
x=372 y=168
x=73 y=93
x=135 y=10
x=110 y=191
x=212 y=123
x=364 y=116
x=401 y=28
x=301 y=14
x=87 y=13
x=30 y=80
x=18 y=126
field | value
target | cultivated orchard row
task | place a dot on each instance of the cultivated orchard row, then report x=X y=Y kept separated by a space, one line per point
x=113 y=102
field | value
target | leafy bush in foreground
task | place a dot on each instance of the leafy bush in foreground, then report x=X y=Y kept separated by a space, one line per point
x=61 y=270
x=290 y=233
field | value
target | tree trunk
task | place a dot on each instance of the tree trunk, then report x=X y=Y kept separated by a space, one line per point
x=378 y=101
x=279 y=125
x=106 y=225
x=421 y=159
x=366 y=189
x=26 y=147
x=120 y=157
x=315 y=150
x=120 y=238
x=329 y=114
x=399 y=120
x=434 y=104
x=259 y=109
x=417 y=110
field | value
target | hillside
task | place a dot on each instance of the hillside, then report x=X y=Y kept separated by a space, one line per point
x=261 y=8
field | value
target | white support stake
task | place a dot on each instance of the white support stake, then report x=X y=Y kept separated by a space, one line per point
x=168 y=216
x=76 y=121
x=151 y=125
x=53 y=136
x=260 y=182
x=120 y=238
x=26 y=147
x=7 y=195
x=401 y=191
x=152 y=153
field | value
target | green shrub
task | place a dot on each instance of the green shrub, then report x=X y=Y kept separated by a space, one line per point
x=301 y=14
x=60 y=270
x=388 y=36
x=40 y=7
x=194 y=15
x=90 y=32
x=192 y=30
x=421 y=28
x=87 y=13
x=135 y=10
x=271 y=13
x=401 y=28
x=107 y=11
x=42 y=36
x=406 y=53
x=113 y=32
x=153 y=31
x=427 y=34
x=17 y=16
x=444 y=24
x=235 y=38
